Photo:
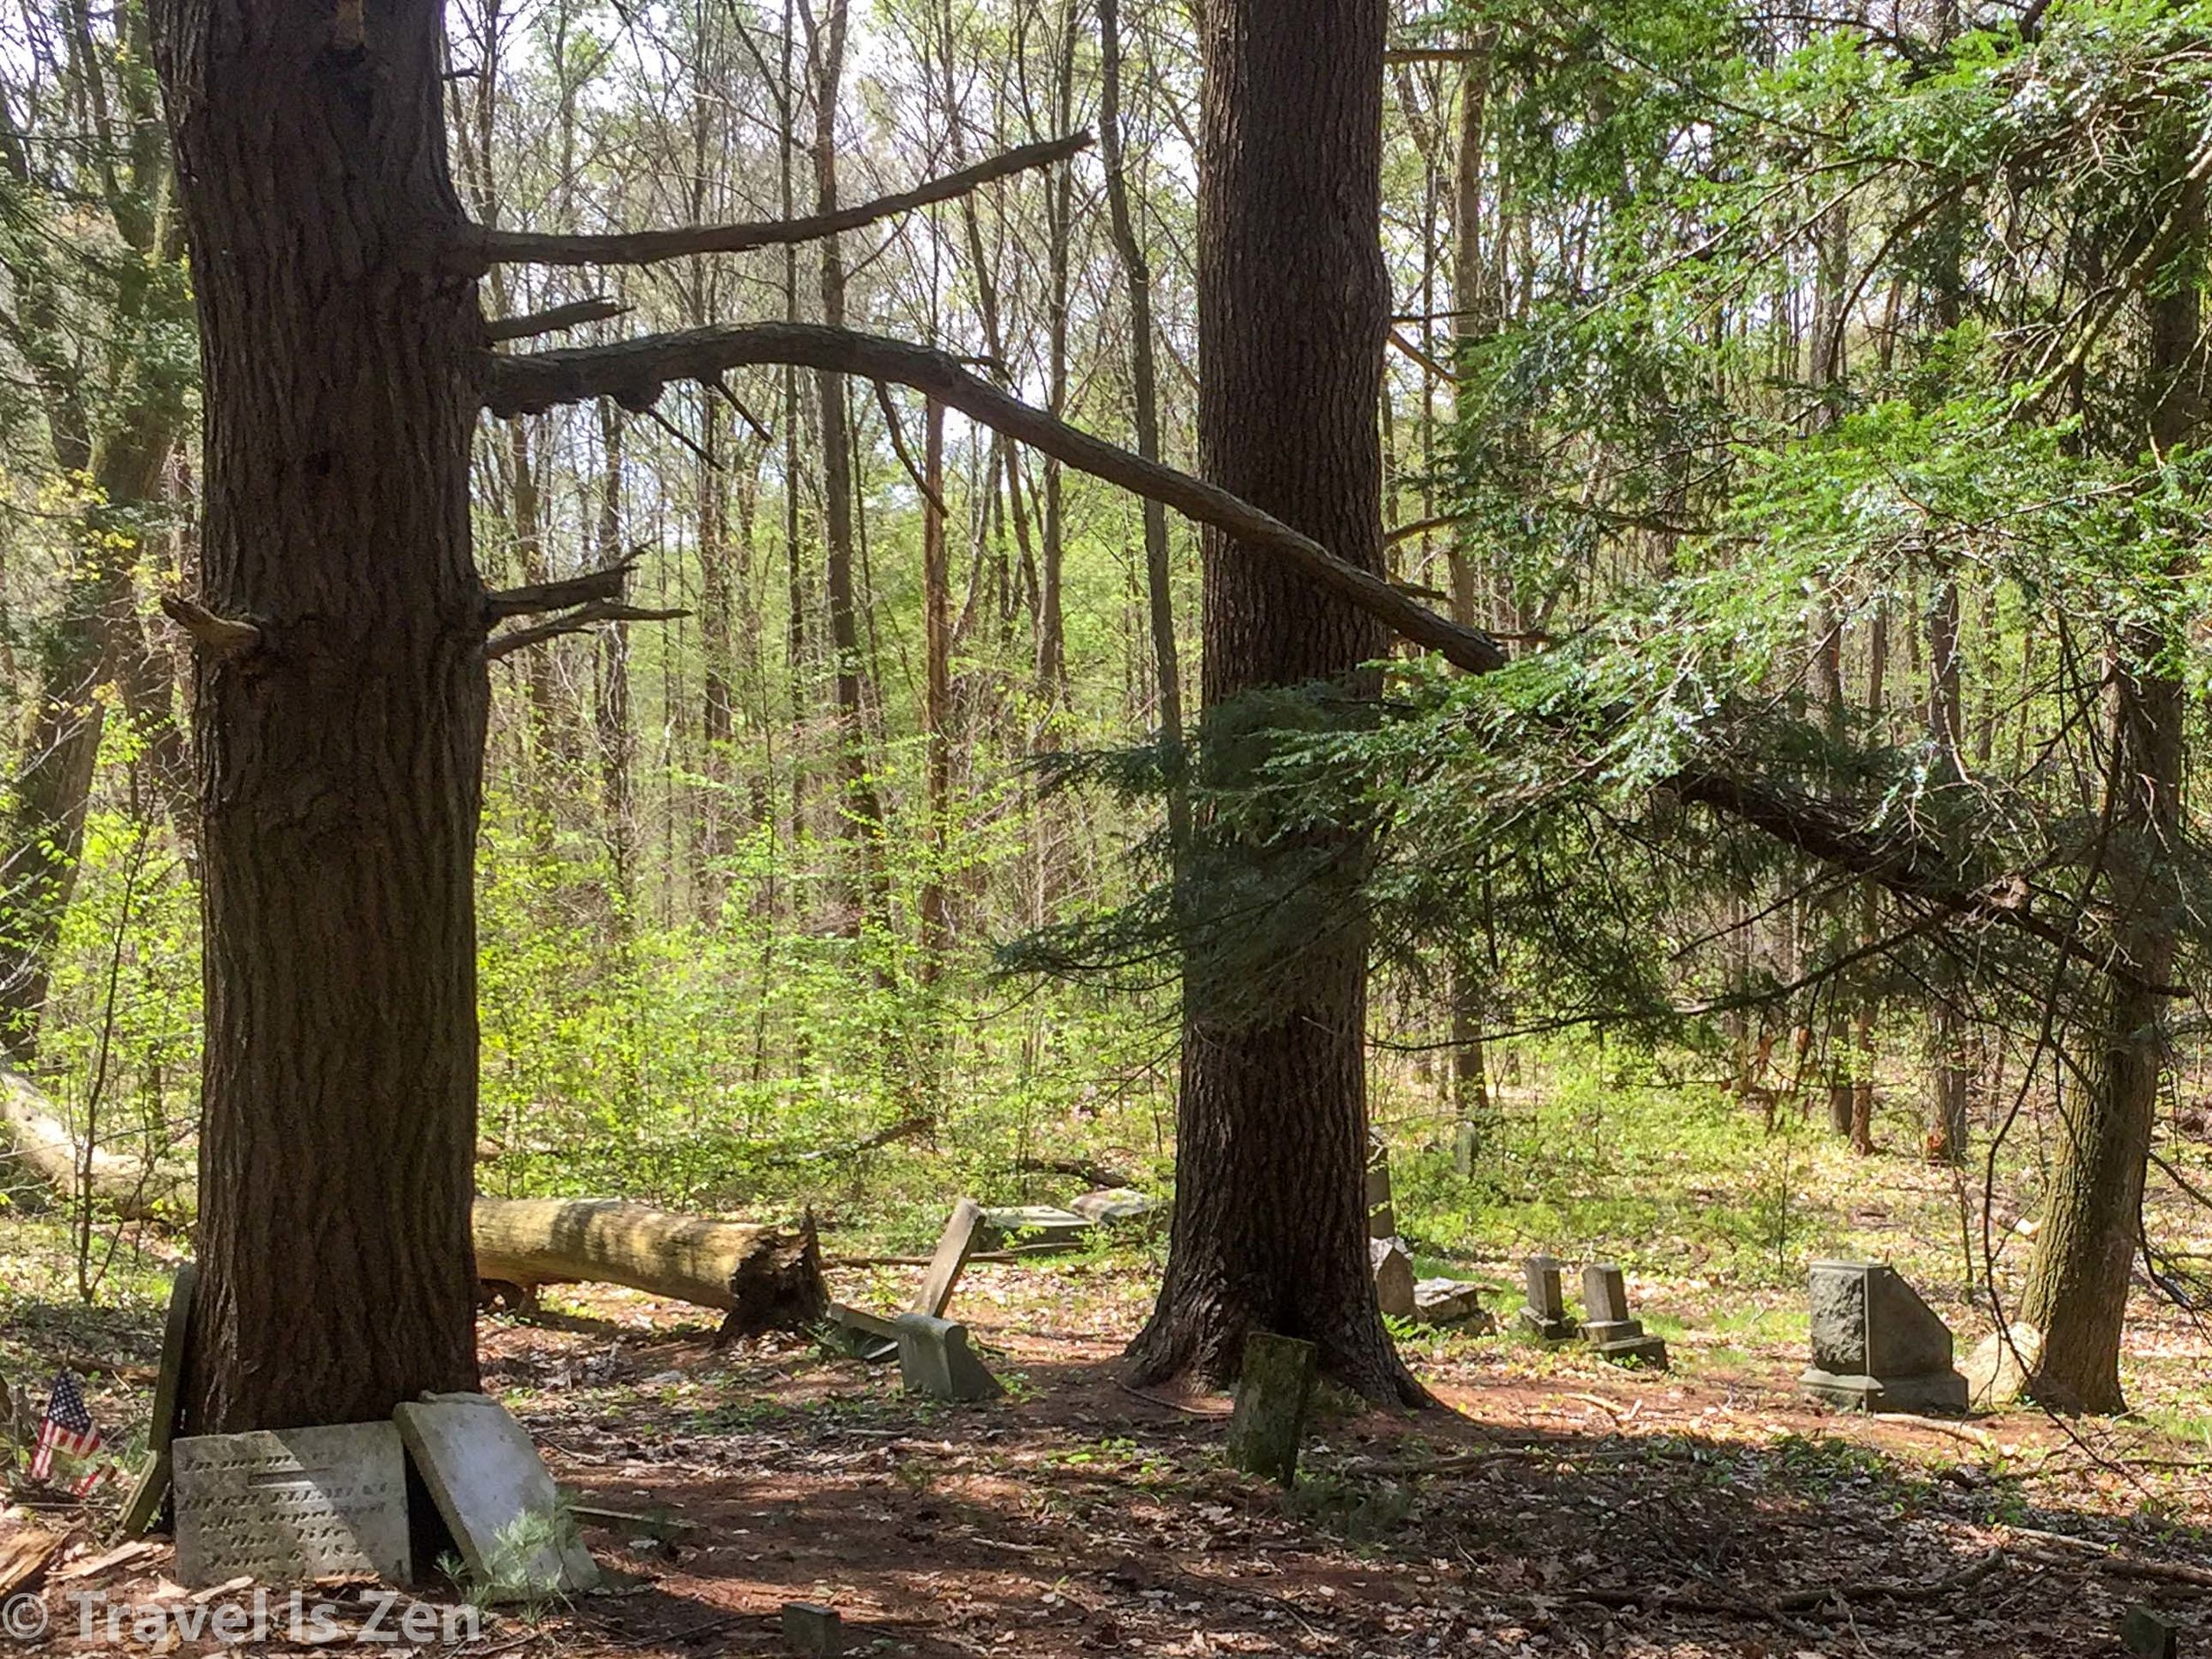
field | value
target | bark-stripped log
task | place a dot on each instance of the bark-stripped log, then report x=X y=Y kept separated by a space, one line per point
x=43 y=1145
x=765 y=1278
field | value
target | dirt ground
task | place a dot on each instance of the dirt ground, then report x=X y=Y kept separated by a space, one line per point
x=1553 y=1505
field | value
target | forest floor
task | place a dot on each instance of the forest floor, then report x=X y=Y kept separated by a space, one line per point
x=1553 y=1505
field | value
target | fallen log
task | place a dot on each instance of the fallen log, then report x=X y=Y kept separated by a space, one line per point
x=44 y=1146
x=764 y=1278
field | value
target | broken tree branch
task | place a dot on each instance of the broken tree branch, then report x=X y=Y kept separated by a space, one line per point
x=577 y=312
x=574 y=622
x=480 y=248
x=220 y=636
x=635 y=373
x=570 y=590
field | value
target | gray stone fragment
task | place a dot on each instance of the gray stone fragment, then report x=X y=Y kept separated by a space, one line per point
x=862 y=1335
x=1393 y=1268
x=810 y=1628
x=1451 y=1301
x=935 y=1360
x=287 y=1506
x=953 y=1250
x=2148 y=1634
x=1036 y=1229
x=1877 y=1347
x=1997 y=1371
x=517 y=1539
x=1544 y=1308
x=1112 y=1206
x=1273 y=1387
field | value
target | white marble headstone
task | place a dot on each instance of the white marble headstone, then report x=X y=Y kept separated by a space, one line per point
x=497 y=1499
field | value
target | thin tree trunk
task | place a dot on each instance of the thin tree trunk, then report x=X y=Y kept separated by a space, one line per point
x=1144 y=398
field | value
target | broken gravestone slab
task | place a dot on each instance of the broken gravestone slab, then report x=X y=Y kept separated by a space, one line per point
x=1034 y=1229
x=1998 y=1370
x=861 y=1335
x=1392 y=1267
x=1451 y=1301
x=287 y=1506
x=1382 y=1214
x=1543 y=1309
x=951 y=1257
x=935 y=1361
x=1877 y=1347
x=1117 y=1206
x=516 y=1537
x=1273 y=1387
x=1606 y=1325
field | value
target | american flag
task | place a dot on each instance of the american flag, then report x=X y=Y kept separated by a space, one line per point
x=66 y=1427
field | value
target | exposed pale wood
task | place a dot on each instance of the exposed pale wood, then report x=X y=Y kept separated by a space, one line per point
x=768 y=1277
x=43 y=1145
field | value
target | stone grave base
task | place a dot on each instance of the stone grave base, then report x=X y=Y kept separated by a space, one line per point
x=1932 y=1391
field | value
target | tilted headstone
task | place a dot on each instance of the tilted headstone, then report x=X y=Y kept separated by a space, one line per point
x=935 y=1360
x=1877 y=1347
x=1607 y=1326
x=500 y=1504
x=1392 y=1267
x=288 y=1506
x=1273 y=1387
x=1034 y=1229
x=143 y=1506
x=1543 y=1309
x=1382 y=1214
x=953 y=1250
x=1451 y=1301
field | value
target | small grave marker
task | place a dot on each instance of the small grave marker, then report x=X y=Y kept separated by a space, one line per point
x=1544 y=1309
x=1608 y=1328
x=810 y=1628
x=1392 y=1267
x=1877 y=1347
x=291 y=1505
x=2147 y=1633
x=1273 y=1387
x=951 y=1257
x=935 y=1360
x=498 y=1501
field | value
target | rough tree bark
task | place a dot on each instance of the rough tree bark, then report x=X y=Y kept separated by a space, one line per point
x=2078 y=1283
x=340 y=747
x=1270 y=1231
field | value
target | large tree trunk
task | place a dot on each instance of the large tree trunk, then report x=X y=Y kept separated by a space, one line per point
x=1270 y=1231
x=341 y=756
x=2078 y=1284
